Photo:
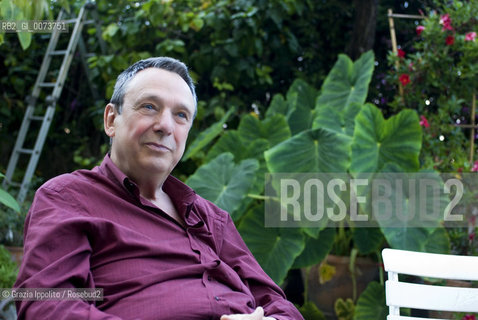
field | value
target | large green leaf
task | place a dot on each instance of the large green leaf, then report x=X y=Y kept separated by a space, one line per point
x=377 y=141
x=407 y=238
x=347 y=82
x=301 y=117
x=335 y=119
x=228 y=142
x=438 y=241
x=367 y=240
x=223 y=182
x=25 y=39
x=302 y=98
x=316 y=150
x=306 y=94
x=205 y=137
x=7 y=199
x=410 y=214
x=231 y=142
x=316 y=249
x=274 y=129
x=310 y=311
x=298 y=107
x=279 y=105
x=371 y=303
x=274 y=248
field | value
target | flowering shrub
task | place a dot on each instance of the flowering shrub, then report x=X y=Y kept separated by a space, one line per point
x=438 y=71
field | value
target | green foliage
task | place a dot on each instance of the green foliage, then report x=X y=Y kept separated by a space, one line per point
x=313 y=150
x=310 y=311
x=8 y=269
x=274 y=248
x=12 y=217
x=377 y=141
x=11 y=226
x=207 y=136
x=7 y=199
x=347 y=82
x=21 y=10
x=441 y=63
x=360 y=143
x=344 y=309
x=371 y=303
x=316 y=248
x=223 y=182
x=331 y=150
x=240 y=53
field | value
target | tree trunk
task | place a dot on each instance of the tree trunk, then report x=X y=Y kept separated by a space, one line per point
x=363 y=33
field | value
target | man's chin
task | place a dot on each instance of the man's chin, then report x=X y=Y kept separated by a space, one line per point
x=159 y=167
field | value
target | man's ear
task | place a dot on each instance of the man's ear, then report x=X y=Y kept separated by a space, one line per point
x=109 y=120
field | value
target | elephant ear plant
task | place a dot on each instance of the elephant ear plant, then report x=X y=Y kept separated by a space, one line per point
x=331 y=132
x=11 y=219
x=7 y=200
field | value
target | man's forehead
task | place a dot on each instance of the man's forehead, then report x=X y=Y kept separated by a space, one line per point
x=146 y=74
x=145 y=83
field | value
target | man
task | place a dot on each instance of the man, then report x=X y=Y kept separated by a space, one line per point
x=158 y=250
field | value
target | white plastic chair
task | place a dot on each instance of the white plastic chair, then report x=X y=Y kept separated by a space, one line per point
x=429 y=297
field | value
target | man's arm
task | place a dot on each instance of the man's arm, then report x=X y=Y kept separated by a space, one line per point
x=57 y=252
x=266 y=293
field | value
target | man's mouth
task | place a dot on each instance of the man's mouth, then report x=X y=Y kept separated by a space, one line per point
x=158 y=147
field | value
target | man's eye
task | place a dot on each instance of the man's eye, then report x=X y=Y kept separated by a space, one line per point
x=182 y=115
x=148 y=106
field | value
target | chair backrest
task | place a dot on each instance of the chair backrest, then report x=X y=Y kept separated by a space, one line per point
x=401 y=294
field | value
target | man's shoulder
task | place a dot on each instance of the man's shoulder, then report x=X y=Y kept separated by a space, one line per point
x=77 y=179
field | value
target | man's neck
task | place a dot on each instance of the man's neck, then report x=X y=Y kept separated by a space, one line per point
x=150 y=187
x=149 y=183
x=163 y=201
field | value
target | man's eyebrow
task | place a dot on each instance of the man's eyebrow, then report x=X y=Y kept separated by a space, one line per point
x=152 y=97
x=159 y=100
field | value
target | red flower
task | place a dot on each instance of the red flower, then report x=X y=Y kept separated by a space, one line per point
x=404 y=79
x=469 y=317
x=424 y=122
x=475 y=167
x=470 y=36
x=401 y=53
x=449 y=40
x=446 y=22
x=419 y=29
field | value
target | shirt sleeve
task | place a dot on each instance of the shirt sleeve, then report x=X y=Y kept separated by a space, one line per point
x=266 y=293
x=56 y=255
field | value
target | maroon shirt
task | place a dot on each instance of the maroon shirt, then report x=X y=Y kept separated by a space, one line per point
x=92 y=229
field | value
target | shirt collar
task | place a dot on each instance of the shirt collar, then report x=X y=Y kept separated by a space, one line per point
x=110 y=169
x=181 y=194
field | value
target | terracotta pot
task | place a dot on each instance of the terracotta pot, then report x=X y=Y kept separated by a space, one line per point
x=340 y=286
x=17 y=253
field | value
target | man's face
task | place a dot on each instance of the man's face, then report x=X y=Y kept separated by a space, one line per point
x=149 y=136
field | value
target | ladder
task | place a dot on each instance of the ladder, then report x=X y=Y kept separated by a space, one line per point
x=56 y=88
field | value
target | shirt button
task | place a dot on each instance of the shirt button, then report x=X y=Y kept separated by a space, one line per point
x=216 y=298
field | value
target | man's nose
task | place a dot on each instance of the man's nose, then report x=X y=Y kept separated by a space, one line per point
x=164 y=122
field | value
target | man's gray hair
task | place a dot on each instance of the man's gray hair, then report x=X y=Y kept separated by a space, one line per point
x=165 y=63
